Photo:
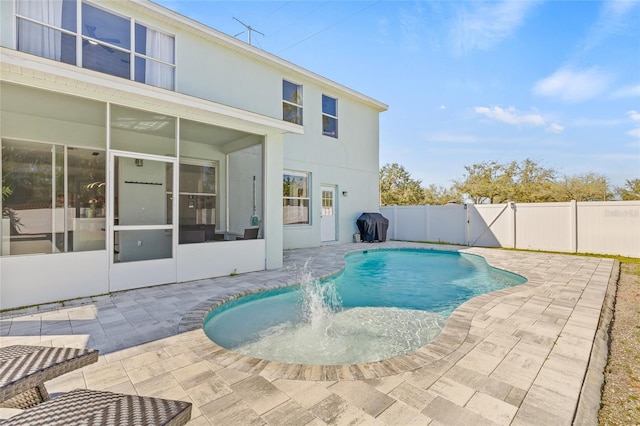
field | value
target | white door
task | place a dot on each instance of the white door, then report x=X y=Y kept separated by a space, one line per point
x=142 y=230
x=328 y=218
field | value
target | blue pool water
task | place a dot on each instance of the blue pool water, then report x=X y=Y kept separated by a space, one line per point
x=385 y=303
x=436 y=281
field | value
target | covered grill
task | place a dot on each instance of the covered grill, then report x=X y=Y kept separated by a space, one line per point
x=372 y=227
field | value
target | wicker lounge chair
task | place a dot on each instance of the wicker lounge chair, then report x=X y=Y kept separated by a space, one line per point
x=92 y=408
x=24 y=369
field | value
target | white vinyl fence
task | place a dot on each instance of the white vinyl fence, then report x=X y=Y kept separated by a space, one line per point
x=608 y=227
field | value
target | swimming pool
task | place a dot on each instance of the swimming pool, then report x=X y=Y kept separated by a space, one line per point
x=384 y=303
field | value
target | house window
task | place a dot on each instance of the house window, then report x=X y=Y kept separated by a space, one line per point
x=106 y=42
x=49 y=28
x=53 y=198
x=291 y=102
x=154 y=57
x=197 y=202
x=295 y=202
x=329 y=116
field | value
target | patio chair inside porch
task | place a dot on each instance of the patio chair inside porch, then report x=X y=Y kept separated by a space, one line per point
x=249 y=234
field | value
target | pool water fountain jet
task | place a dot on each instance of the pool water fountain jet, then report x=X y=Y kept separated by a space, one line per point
x=319 y=302
x=324 y=332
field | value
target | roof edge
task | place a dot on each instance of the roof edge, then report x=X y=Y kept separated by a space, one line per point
x=251 y=51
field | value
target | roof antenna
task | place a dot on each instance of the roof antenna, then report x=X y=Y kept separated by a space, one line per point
x=249 y=29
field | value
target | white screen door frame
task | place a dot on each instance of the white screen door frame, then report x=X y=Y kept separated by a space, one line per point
x=145 y=202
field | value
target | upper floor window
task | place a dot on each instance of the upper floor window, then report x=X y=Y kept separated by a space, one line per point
x=106 y=42
x=47 y=29
x=154 y=57
x=101 y=41
x=291 y=102
x=329 y=116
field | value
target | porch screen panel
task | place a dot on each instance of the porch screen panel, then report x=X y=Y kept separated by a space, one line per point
x=39 y=214
x=86 y=203
x=197 y=203
x=141 y=131
x=28 y=207
x=141 y=188
x=245 y=190
x=143 y=194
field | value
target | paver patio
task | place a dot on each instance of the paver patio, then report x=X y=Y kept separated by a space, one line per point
x=517 y=356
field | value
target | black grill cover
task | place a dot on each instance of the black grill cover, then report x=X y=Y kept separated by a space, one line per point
x=372 y=227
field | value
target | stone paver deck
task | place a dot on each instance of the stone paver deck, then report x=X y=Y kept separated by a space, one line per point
x=517 y=356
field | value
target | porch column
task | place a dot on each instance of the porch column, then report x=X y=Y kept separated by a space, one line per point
x=273 y=169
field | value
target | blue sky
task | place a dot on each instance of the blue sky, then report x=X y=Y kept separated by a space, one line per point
x=467 y=82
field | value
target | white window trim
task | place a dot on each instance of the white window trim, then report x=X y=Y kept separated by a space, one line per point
x=308 y=197
x=79 y=35
x=335 y=117
x=301 y=105
x=151 y=58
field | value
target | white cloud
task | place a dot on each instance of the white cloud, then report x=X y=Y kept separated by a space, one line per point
x=573 y=85
x=483 y=25
x=616 y=10
x=627 y=92
x=616 y=18
x=443 y=107
x=412 y=24
x=634 y=115
x=634 y=133
x=555 y=128
x=510 y=116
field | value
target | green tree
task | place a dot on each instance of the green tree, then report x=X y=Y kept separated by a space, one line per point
x=397 y=187
x=534 y=183
x=630 y=190
x=6 y=191
x=438 y=195
x=529 y=182
x=584 y=187
x=492 y=182
x=487 y=182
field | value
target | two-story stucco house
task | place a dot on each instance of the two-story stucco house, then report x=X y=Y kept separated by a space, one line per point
x=140 y=147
